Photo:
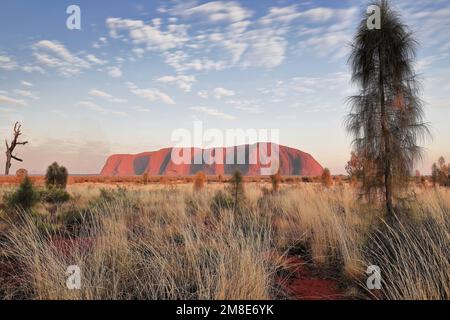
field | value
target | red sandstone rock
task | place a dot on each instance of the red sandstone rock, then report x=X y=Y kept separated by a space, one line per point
x=292 y=162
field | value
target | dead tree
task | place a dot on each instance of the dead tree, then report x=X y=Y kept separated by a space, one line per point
x=10 y=148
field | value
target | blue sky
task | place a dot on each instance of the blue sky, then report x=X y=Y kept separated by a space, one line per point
x=138 y=70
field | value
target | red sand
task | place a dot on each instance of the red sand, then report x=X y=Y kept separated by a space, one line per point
x=304 y=285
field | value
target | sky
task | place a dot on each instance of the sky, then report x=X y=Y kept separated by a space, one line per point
x=137 y=71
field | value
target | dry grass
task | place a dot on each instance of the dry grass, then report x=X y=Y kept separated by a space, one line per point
x=170 y=242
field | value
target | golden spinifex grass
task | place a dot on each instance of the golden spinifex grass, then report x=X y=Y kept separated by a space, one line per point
x=176 y=242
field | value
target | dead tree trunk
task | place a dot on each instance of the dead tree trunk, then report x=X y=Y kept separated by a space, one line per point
x=10 y=148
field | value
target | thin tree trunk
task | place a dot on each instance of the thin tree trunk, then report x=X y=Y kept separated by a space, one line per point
x=387 y=144
x=8 y=163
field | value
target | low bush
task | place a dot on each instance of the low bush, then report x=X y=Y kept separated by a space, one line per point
x=75 y=219
x=221 y=200
x=25 y=197
x=199 y=181
x=55 y=195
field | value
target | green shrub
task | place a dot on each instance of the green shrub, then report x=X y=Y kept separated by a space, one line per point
x=45 y=227
x=109 y=195
x=120 y=195
x=56 y=176
x=237 y=190
x=24 y=197
x=221 y=200
x=55 y=195
x=74 y=219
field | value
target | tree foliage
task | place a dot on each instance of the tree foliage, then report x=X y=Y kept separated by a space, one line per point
x=440 y=173
x=56 y=176
x=386 y=117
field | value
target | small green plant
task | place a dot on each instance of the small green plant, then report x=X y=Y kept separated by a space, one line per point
x=56 y=176
x=45 y=227
x=237 y=190
x=55 y=195
x=74 y=219
x=24 y=197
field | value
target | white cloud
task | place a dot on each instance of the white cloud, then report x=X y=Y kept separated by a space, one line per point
x=91 y=105
x=280 y=14
x=203 y=94
x=149 y=35
x=220 y=11
x=29 y=69
x=319 y=14
x=139 y=52
x=310 y=94
x=213 y=112
x=182 y=81
x=329 y=44
x=181 y=62
x=249 y=106
x=267 y=49
x=95 y=60
x=26 y=84
x=5 y=100
x=150 y=94
x=106 y=96
x=53 y=54
x=247 y=44
x=102 y=41
x=286 y=15
x=219 y=93
x=97 y=108
x=57 y=48
x=26 y=94
x=7 y=63
x=140 y=109
x=114 y=72
x=432 y=18
x=333 y=31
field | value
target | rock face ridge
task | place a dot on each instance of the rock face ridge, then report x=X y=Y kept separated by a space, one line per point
x=292 y=162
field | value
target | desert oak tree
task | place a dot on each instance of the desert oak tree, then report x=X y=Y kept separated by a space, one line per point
x=386 y=117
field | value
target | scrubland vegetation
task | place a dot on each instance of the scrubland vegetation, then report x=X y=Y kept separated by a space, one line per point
x=221 y=241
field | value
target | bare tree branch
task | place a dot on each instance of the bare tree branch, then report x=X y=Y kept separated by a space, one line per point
x=11 y=147
x=15 y=158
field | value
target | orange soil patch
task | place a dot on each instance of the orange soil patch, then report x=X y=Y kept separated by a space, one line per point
x=303 y=284
x=136 y=180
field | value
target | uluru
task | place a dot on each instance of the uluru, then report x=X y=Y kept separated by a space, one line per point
x=292 y=162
